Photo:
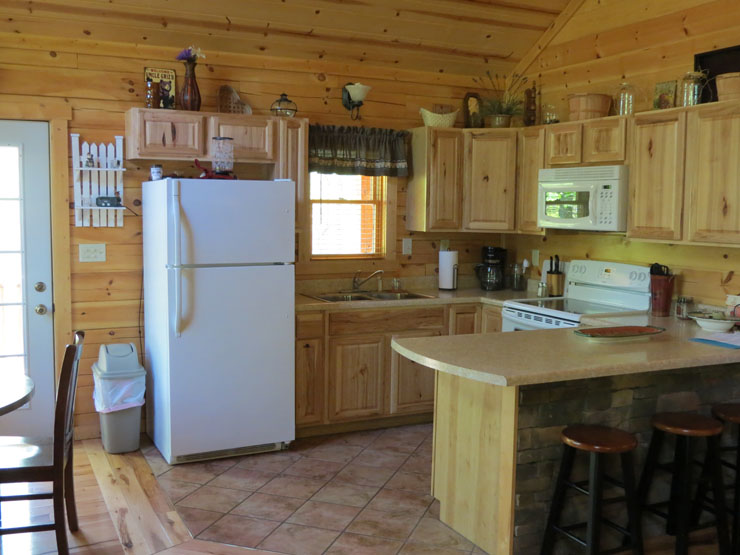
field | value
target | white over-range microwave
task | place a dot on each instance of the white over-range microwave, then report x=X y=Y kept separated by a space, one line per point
x=591 y=198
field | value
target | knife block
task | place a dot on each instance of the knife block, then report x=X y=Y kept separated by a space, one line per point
x=555 y=284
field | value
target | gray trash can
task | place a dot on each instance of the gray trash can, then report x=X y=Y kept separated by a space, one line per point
x=120 y=383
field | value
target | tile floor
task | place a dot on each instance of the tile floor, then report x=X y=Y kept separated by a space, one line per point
x=354 y=493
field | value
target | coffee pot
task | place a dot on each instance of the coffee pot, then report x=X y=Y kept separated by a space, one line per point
x=491 y=271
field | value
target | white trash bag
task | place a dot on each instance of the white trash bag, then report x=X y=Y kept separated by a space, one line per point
x=120 y=381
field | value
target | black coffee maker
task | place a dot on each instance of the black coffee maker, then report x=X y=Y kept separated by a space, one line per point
x=491 y=271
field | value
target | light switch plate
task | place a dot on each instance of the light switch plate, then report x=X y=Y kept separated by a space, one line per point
x=92 y=252
x=406 y=245
x=444 y=244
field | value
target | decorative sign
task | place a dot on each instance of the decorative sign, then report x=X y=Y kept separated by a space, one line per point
x=166 y=80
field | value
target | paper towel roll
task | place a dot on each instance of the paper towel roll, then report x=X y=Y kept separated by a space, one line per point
x=448 y=269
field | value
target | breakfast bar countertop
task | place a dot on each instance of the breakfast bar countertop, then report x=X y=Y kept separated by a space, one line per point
x=545 y=356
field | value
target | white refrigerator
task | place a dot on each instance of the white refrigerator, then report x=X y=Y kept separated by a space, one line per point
x=219 y=316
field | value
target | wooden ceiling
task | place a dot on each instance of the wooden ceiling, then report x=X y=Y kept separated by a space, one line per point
x=462 y=37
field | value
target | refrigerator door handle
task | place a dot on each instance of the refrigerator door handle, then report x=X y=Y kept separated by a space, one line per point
x=176 y=209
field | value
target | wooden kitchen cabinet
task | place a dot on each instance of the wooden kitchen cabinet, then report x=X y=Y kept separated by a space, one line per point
x=434 y=201
x=356 y=377
x=712 y=180
x=255 y=137
x=657 y=175
x=491 y=319
x=564 y=143
x=411 y=384
x=604 y=140
x=489 y=191
x=309 y=369
x=293 y=164
x=164 y=134
x=530 y=159
x=464 y=319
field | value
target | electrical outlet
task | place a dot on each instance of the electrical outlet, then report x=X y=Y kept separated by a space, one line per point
x=444 y=245
x=406 y=245
x=536 y=258
x=92 y=252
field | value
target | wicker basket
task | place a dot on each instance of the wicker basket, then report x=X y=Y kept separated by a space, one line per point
x=728 y=86
x=588 y=106
x=438 y=120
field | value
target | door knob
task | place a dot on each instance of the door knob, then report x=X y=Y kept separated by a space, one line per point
x=40 y=309
x=40 y=286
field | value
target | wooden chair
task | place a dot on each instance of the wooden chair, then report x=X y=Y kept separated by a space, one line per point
x=25 y=459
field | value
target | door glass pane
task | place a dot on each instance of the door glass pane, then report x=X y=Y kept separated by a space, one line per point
x=11 y=330
x=10 y=278
x=9 y=177
x=12 y=365
x=567 y=205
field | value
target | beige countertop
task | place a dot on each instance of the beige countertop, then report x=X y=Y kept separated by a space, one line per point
x=436 y=297
x=543 y=356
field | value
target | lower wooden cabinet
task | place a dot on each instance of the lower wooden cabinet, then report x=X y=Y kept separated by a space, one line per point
x=356 y=377
x=464 y=318
x=309 y=381
x=412 y=384
x=491 y=319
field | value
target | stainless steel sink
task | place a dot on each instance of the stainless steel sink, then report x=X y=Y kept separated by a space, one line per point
x=343 y=297
x=396 y=295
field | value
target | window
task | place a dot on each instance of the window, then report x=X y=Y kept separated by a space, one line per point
x=348 y=214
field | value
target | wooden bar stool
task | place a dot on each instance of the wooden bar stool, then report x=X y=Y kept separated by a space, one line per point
x=687 y=427
x=597 y=441
x=730 y=413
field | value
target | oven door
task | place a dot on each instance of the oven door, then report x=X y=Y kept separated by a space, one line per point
x=566 y=205
x=511 y=322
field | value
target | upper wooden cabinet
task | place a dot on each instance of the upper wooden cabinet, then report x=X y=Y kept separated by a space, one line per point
x=713 y=173
x=591 y=141
x=165 y=134
x=656 y=175
x=255 y=137
x=530 y=159
x=564 y=143
x=293 y=163
x=435 y=188
x=489 y=191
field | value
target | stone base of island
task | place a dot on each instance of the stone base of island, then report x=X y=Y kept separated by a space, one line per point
x=501 y=401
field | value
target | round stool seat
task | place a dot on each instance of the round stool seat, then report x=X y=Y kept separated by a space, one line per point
x=729 y=412
x=687 y=424
x=598 y=439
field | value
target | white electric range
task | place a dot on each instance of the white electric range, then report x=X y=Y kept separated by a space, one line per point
x=592 y=287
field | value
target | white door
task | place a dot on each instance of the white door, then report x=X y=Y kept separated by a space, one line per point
x=26 y=324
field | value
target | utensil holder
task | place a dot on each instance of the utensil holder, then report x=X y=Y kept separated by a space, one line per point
x=555 y=284
x=661 y=294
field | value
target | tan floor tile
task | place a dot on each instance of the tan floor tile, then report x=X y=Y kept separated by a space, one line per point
x=176 y=489
x=386 y=459
x=363 y=475
x=410 y=481
x=400 y=444
x=270 y=507
x=397 y=501
x=420 y=465
x=335 y=453
x=242 y=478
x=301 y=445
x=156 y=462
x=314 y=468
x=324 y=515
x=433 y=510
x=345 y=494
x=210 y=498
x=419 y=549
x=239 y=530
x=197 y=520
x=353 y=544
x=383 y=524
x=433 y=532
x=269 y=462
x=292 y=486
x=363 y=438
x=199 y=473
x=299 y=540
x=479 y=551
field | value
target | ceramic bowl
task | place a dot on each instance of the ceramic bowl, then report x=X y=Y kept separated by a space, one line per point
x=716 y=322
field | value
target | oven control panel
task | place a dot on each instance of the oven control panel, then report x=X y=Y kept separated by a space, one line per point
x=614 y=274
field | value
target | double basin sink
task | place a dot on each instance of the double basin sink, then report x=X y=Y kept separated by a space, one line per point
x=369 y=296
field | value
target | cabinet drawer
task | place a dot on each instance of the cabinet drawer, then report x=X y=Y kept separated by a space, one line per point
x=378 y=321
x=309 y=325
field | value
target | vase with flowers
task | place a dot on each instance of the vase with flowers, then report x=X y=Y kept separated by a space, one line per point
x=503 y=101
x=189 y=97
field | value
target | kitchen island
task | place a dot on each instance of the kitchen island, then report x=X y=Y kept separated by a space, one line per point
x=502 y=399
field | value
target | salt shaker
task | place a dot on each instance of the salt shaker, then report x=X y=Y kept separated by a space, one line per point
x=542 y=289
x=683 y=307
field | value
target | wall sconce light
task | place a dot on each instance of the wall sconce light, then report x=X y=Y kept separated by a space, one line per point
x=352 y=96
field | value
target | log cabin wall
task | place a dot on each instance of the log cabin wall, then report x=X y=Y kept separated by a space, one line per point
x=601 y=45
x=100 y=81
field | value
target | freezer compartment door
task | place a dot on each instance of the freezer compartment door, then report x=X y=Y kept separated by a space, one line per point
x=232 y=366
x=220 y=221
